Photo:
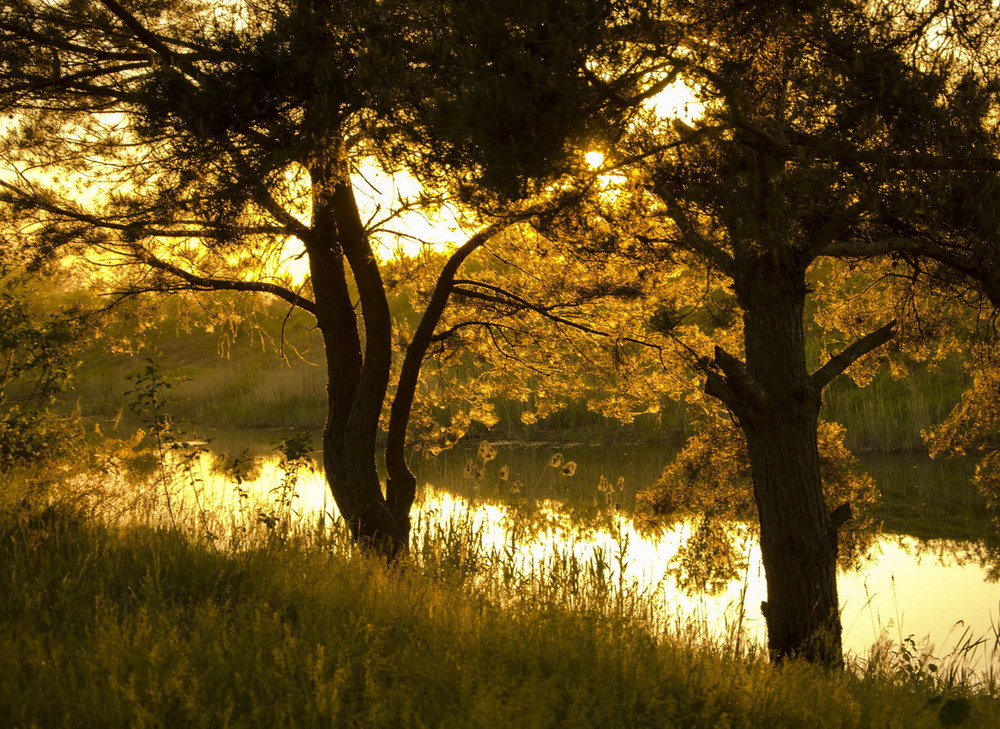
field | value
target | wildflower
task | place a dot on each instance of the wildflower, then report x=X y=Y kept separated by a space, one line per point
x=556 y=461
x=504 y=472
x=569 y=468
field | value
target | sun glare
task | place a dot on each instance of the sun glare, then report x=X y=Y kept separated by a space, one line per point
x=594 y=159
x=387 y=202
x=677 y=101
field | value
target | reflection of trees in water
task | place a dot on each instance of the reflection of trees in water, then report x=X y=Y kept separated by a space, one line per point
x=984 y=552
x=988 y=481
x=709 y=481
x=715 y=554
x=989 y=557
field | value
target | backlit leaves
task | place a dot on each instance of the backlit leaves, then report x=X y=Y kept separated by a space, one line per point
x=710 y=480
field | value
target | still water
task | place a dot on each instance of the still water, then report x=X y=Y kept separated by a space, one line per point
x=931 y=576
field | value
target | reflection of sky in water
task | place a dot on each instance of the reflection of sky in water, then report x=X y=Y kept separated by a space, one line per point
x=922 y=589
x=934 y=590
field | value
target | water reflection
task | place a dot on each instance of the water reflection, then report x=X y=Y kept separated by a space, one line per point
x=941 y=591
x=936 y=592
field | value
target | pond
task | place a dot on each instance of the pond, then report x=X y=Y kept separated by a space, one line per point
x=928 y=587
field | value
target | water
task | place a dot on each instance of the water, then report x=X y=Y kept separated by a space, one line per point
x=931 y=576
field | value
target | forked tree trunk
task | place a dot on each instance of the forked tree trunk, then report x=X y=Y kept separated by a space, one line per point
x=353 y=480
x=777 y=403
x=357 y=365
x=401 y=485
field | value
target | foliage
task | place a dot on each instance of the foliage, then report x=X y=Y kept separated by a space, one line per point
x=971 y=428
x=295 y=456
x=175 y=452
x=39 y=354
x=500 y=101
x=710 y=480
x=204 y=146
x=201 y=148
x=536 y=327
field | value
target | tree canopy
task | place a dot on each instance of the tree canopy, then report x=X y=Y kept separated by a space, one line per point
x=200 y=146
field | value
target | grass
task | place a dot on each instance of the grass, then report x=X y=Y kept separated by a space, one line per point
x=256 y=388
x=125 y=622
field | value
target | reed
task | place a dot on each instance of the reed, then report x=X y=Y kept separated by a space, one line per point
x=888 y=414
x=256 y=388
x=111 y=618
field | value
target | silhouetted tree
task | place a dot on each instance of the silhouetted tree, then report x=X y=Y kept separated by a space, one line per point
x=831 y=130
x=203 y=143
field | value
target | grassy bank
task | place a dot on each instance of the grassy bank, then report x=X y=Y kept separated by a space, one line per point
x=133 y=624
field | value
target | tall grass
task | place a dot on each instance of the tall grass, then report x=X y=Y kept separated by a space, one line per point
x=254 y=387
x=888 y=414
x=123 y=621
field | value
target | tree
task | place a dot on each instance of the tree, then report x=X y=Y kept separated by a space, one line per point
x=201 y=145
x=823 y=124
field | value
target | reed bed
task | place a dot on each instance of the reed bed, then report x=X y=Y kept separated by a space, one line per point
x=114 y=616
x=253 y=386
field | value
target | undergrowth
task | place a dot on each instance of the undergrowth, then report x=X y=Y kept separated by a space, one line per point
x=126 y=620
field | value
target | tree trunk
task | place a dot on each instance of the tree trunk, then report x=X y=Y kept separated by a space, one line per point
x=798 y=540
x=401 y=485
x=777 y=404
x=357 y=365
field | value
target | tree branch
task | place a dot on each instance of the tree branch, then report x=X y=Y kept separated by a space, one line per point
x=36 y=198
x=735 y=387
x=840 y=362
x=148 y=38
x=400 y=487
x=696 y=242
x=506 y=298
x=807 y=148
x=717 y=387
x=210 y=283
x=45 y=41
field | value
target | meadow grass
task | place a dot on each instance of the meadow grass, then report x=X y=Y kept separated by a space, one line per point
x=253 y=386
x=127 y=622
x=888 y=414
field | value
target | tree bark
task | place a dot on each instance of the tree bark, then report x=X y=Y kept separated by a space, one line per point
x=357 y=366
x=777 y=404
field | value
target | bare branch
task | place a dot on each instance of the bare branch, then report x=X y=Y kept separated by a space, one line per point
x=210 y=283
x=840 y=362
